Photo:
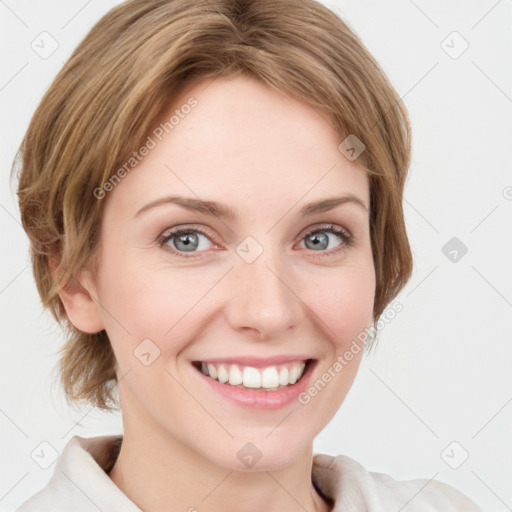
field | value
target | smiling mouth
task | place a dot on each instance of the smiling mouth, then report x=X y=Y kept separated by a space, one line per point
x=269 y=378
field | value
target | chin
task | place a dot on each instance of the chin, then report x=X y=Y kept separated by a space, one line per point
x=260 y=455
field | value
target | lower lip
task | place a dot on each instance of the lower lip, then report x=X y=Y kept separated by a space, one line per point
x=259 y=398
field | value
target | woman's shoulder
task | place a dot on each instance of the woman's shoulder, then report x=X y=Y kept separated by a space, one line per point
x=80 y=480
x=352 y=487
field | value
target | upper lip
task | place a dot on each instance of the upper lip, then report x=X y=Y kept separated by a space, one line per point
x=257 y=362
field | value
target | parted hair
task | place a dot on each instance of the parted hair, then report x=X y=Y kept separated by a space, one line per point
x=106 y=98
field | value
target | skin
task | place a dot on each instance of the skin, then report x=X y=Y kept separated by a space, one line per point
x=265 y=155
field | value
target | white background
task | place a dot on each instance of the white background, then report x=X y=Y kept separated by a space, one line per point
x=442 y=371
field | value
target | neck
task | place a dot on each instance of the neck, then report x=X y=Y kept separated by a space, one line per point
x=160 y=474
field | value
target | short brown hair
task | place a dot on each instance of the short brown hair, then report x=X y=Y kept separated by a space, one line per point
x=120 y=78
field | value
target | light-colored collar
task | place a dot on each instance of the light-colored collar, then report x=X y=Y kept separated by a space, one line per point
x=84 y=462
x=83 y=465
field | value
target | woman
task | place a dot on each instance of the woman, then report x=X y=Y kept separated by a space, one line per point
x=213 y=195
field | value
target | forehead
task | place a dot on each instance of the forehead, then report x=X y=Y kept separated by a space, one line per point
x=245 y=144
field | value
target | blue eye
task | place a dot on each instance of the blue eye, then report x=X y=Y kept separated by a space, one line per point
x=184 y=239
x=193 y=240
x=318 y=241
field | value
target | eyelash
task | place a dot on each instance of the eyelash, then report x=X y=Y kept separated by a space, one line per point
x=346 y=238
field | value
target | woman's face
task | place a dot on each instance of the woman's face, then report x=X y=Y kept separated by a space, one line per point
x=256 y=285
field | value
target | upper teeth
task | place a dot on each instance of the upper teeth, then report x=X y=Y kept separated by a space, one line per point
x=248 y=376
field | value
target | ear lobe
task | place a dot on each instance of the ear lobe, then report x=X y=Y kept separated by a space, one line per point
x=80 y=302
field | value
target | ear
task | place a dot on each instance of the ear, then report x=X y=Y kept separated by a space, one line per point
x=80 y=301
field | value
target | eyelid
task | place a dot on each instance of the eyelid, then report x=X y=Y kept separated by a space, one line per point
x=324 y=226
x=201 y=228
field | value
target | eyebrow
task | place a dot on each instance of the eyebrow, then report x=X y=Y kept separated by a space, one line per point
x=223 y=211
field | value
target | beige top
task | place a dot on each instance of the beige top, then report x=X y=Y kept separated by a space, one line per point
x=80 y=483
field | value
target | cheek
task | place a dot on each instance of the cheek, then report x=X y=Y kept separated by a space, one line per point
x=151 y=306
x=343 y=301
x=155 y=302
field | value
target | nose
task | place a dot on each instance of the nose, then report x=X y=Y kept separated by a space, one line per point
x=263 y=298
